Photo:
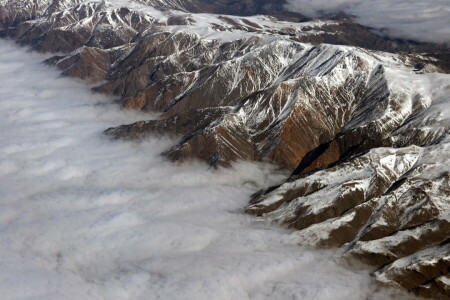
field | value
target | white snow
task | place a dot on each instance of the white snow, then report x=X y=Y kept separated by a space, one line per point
x=85 y=217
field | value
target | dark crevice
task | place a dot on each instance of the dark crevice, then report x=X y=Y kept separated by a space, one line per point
x=309 y=158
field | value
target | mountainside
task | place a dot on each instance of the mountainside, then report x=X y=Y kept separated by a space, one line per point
x=361 y=121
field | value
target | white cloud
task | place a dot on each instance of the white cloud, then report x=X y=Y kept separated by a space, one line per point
x=427 y=21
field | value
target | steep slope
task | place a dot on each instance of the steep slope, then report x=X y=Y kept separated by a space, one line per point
x=389 y=208
x=364 y=132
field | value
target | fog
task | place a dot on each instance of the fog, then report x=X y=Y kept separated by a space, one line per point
x=86 y=217
x=427 y=21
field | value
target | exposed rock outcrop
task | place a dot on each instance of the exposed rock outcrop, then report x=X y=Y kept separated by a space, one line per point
x=363 y=127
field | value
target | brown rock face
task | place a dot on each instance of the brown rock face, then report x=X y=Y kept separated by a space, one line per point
x=425 y=273
x=365 y=132
x=88 y=63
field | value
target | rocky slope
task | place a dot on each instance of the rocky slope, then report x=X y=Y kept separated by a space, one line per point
x=361 y=121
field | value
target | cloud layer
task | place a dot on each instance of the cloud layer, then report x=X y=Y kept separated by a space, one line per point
x=427 y=21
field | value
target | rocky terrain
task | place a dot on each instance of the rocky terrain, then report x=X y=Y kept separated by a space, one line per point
x=361 y=121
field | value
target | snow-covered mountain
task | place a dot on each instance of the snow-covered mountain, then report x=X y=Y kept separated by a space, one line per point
x=361 y=121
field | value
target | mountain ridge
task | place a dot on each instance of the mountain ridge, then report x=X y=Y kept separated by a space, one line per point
x=364 y=131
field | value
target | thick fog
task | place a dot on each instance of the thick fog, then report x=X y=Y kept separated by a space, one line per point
x=86 y=217
x=427 y=21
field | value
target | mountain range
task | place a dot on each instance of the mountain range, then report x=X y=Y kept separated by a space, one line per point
x=361 y=121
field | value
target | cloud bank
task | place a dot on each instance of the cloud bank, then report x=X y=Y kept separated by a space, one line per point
x=84 y=217
x=427 y=21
